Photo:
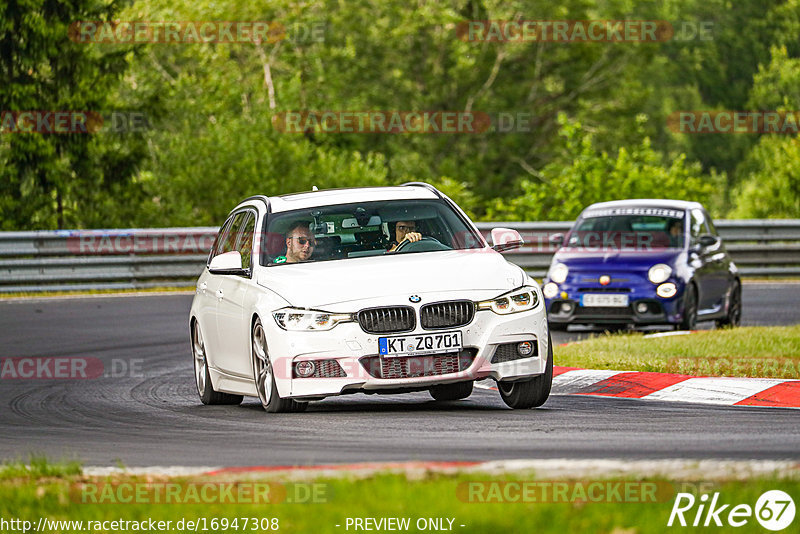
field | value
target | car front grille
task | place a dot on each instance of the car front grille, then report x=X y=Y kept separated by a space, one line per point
x=417 y=366
x=447 y=314
x=387 y=320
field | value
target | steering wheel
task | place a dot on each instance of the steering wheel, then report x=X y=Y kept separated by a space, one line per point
x=426 y=244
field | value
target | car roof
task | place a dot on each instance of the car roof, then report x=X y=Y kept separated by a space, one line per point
x=646 y=202
x=328 y=197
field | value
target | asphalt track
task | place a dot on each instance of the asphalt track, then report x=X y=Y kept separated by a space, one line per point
x=148 y=413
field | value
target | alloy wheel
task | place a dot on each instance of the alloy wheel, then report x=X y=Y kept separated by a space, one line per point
x=261 y=365
x=200 y=365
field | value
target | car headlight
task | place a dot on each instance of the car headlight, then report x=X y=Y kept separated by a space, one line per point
x=519 y=300
x=558 y=273
x=659 y=273
x=295 y=319
x=550 y=290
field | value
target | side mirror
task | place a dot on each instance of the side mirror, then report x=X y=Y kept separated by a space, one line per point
x=556 y=239
x=506 y=239
x=227 y=263
x=708 y=240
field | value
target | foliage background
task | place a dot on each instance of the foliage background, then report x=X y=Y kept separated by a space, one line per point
x=599 y=128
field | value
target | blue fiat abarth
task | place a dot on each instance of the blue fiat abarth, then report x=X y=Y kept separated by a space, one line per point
x=642 y=262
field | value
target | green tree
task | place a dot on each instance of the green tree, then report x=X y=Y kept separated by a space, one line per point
x=53 y=180
x=770 y=188
x=769 y=178
x=584 y=175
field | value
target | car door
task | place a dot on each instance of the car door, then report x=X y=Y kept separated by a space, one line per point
x=700 y=259
x=233 y=327
x=719 y=267
x=207 y=288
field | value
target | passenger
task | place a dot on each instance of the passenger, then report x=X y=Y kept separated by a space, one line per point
x=404 y=231
x=300 y=244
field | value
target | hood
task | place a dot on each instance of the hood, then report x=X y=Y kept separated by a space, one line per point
x=331 y=282
x=616 y=260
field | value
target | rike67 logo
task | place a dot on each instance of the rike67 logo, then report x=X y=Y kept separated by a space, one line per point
x=774 y=510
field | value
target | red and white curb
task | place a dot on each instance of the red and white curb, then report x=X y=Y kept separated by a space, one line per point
x=770 y=392
x=728 y=391
x=773 y=392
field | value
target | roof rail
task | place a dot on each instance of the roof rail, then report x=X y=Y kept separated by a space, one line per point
x=262 y=198
x=426 y=186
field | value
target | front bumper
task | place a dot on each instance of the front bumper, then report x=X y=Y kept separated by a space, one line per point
x=356 y=353
x=644 y=307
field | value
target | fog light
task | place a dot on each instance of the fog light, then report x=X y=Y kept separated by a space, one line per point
x=305 y=369
x=641 y=307
x=566 y=307
x=666 y=290
x=550 y=290
x=525 y=348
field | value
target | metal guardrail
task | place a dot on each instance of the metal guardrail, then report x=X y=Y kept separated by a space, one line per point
x=759 y=247
x=141 y=258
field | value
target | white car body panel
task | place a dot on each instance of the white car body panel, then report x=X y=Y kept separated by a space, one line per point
x=226 y=305
x=344 y=196
x=334 y=283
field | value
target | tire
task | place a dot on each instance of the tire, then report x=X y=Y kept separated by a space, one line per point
x=451 y=392
x=558 y=327
x=524 y=394
x=202 y=378
x=264 y=378
x=689 y=321
x=734 y=316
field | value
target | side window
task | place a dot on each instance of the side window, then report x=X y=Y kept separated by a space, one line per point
x=227 y=239
x=698 y=224
x=223 y=231
x=245 y=241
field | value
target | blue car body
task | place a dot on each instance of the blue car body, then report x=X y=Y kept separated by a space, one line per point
x=608 y=272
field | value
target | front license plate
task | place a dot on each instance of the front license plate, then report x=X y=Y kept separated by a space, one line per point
x=612 y=301
x=419 y=345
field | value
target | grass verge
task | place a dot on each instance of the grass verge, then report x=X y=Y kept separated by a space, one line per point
x=473 y=502
x=772 y=352
x=38 y=467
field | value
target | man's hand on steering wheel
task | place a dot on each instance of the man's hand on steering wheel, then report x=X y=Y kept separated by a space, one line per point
x=411 y=237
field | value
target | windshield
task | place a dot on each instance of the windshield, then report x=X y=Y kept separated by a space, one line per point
x=628 y=229
x=345 y=231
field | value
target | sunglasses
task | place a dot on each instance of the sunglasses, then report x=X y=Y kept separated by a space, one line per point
x=305 y=241
x=404 y=228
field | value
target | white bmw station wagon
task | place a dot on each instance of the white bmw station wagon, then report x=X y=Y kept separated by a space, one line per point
x=365 y=290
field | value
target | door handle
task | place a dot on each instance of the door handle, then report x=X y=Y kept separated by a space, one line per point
x=203 y=286
x=219 y=294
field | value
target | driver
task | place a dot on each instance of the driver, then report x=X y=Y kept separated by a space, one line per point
x=676 y=233
x=404 y=231
x=300 y=244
